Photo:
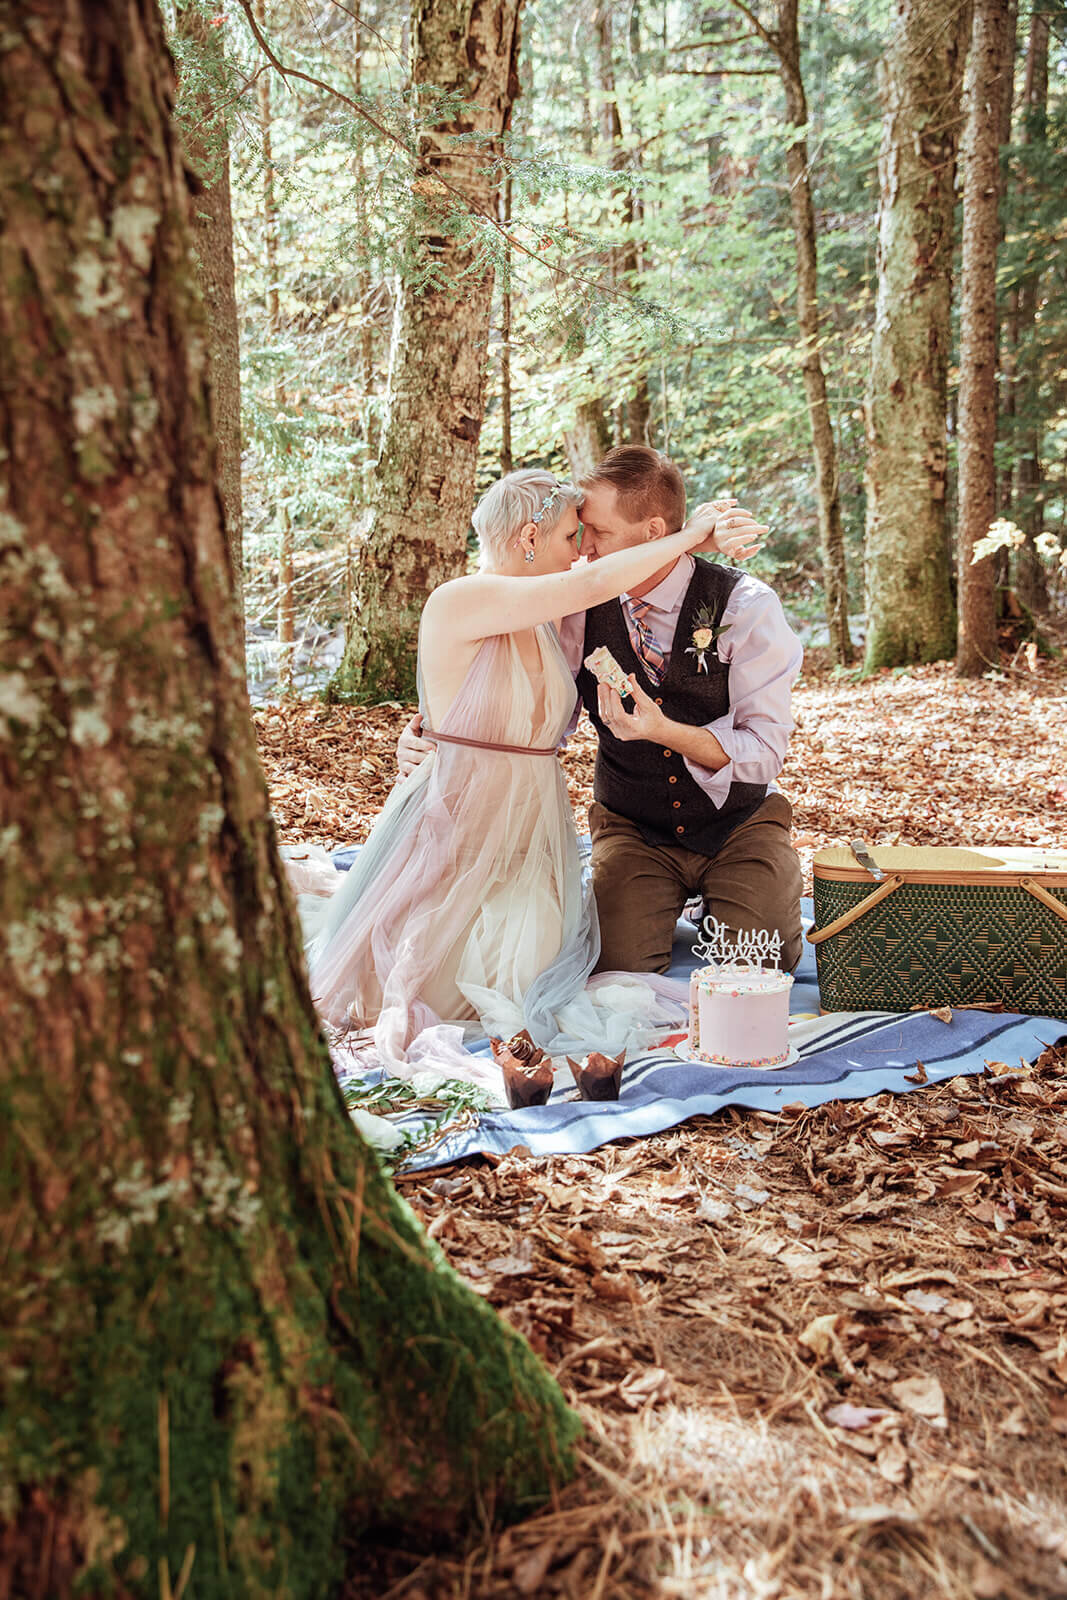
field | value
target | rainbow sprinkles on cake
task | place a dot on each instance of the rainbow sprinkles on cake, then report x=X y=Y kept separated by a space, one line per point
x=739 y=1009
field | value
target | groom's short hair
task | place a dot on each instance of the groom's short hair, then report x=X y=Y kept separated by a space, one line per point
x=646 y=482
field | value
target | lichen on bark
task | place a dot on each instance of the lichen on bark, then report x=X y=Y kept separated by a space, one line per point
x=910 y=607
x=415 y=532
x=224 y=1340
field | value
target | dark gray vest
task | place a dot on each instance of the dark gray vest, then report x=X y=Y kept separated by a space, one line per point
x=644 y=782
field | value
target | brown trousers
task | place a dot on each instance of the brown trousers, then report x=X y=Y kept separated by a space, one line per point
x=754 y=882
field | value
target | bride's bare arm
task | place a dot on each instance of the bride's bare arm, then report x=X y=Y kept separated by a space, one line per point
x=489 y=603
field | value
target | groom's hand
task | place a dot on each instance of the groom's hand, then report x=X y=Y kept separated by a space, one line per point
x=645 y=721
x=727 y=528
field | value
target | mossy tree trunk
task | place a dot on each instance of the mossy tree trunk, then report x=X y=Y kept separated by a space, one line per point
x=416 y=530
x=987 y=62
x=225 y=1345
x=910 y=609
x=207 y=147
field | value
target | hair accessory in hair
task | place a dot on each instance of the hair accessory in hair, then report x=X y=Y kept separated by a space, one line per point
x=546 y=502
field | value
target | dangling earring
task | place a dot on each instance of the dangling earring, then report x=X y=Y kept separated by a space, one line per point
x=530 y=555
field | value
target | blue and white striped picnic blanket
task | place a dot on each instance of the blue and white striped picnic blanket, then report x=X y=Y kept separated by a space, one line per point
x=845 y=1055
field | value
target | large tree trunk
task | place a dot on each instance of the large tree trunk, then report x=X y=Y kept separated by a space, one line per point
x=225 y=1344
x=910 y=613
x=415 y=535
x=1030 y=573
x=987 y=62
x=827 y=488
x=588 y=439
x=207 y=147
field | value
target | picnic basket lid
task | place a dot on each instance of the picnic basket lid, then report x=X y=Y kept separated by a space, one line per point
x=936 y=859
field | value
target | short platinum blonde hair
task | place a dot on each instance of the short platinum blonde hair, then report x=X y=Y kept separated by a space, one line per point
x=531 y=495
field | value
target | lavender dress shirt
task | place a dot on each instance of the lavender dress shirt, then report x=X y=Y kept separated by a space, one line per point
x=764 y=656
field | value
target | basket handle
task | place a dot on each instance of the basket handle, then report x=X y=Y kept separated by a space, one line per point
x=1046 y=899
x=817 y=935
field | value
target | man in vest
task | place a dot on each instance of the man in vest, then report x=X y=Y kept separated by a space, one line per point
x=684 y=805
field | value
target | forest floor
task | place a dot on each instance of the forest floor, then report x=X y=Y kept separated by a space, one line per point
x=818 y=1354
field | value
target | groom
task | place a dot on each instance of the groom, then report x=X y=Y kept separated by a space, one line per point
x=683 y=807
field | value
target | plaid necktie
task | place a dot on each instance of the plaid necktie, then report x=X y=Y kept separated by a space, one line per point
x=652 y=656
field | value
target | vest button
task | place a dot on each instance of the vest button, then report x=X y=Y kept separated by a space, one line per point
x=672 y=779
x=677 y=805
x=679 y=830
x=659 y=700
x=667 y=752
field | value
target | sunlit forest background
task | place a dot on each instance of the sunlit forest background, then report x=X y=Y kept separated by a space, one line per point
x=645 y=278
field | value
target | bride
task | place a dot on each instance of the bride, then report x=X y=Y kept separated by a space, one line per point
x=466 y=910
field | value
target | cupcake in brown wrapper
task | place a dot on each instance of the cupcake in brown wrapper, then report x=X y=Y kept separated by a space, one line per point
x=527 y=1070
x=598 y=1077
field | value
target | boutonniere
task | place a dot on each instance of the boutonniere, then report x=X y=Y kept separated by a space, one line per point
x=704 y=636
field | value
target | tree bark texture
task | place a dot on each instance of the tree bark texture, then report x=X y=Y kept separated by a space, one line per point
x=286 y=626
x=588 y=440
x=910 y=611
x=226 y=1348
x=1030 y=575
x=364 y=352
x=1007 y=332
x=207 y=149
x=827 y=487
x=987 y=63
x=506 y=459
x=624 y=261
x=415 y=533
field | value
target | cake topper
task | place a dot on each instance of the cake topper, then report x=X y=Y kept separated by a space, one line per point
x=750 y=949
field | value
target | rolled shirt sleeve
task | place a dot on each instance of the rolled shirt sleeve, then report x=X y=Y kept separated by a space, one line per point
x=764 y=656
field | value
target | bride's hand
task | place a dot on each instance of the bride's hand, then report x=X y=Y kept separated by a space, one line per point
x=725 y=527
x=411 y=750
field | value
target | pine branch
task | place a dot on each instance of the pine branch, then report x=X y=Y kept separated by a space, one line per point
x=427 y=170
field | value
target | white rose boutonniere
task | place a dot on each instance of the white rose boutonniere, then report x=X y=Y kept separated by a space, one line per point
x=704 y=636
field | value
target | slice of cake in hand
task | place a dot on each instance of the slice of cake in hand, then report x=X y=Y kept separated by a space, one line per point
x=527 y=1070
x=606 y=669
x=598 y=1077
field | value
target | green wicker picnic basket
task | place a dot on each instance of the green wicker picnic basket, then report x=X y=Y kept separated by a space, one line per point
x=899 y=928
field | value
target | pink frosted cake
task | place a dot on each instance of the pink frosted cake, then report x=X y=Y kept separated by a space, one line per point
x=739 y=1017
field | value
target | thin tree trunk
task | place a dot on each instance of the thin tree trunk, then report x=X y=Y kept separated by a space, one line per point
x=827 y=486
x=286 y=621
x=226 y=1348
x=207 y=147
x=365 y=347
x=987 y=63
x=624 y=265
x=1008 y=329
x=1030 y=575
x=505 y=344
x=910 y=612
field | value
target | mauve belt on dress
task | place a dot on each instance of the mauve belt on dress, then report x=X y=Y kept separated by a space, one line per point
x=482 y=744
